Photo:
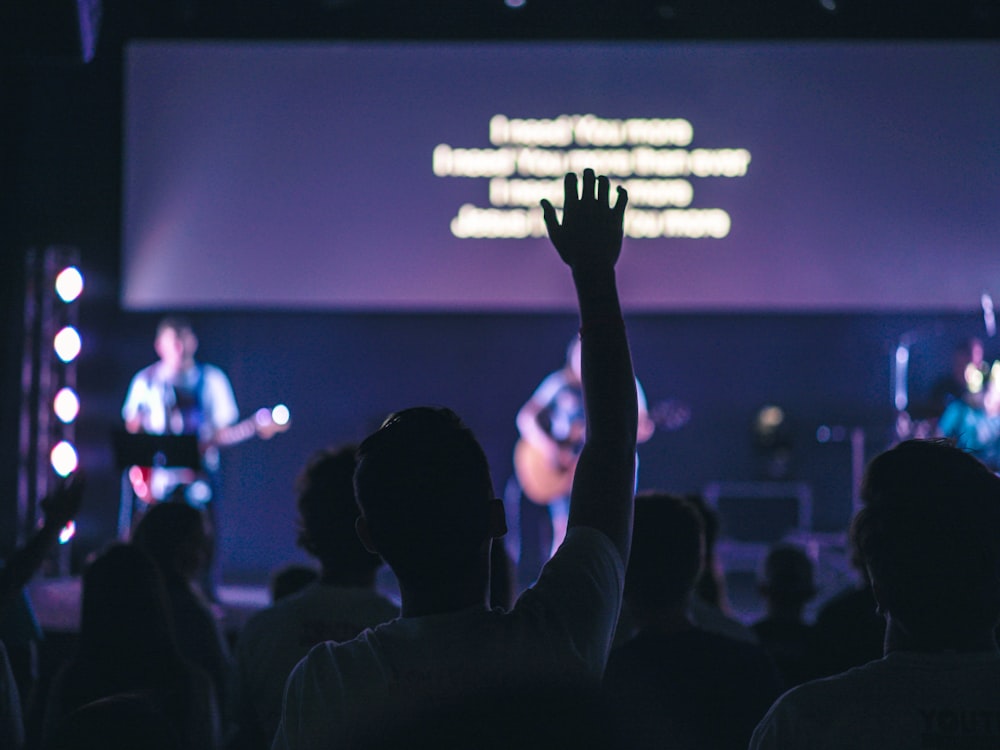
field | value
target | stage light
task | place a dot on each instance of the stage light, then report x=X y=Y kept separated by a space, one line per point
x=66 y=405
x=67 y=532
x=64 y=458
x=280 y=414
x=515 y=3
x=69 y=284
x=67 y=344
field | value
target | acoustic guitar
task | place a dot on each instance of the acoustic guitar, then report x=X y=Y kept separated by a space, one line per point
x=264 y=424
x=544 y=481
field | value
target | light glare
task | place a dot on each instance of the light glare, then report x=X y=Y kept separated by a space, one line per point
x=69 y=284
x=67 y=344
x=67 y=532
x=66 y=405
x=64 y=458
x=280 y=414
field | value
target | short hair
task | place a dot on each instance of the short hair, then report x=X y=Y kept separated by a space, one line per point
x=787 y=575
x=929 y=536
x=176 y=323
x=165 y=528
x=668 y=543
x=328 y=512
x=423 y=485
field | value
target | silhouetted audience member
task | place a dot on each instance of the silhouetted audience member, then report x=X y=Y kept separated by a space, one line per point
x=786 y=585
x=127 y=645
x=675 y=685
x=929 y=535
x=19 y=629
x=710 y=607
x=11 y=718
x=428 y=506
x=291 y=579
x=337 y=607
x=173 y=534
x=849 y=631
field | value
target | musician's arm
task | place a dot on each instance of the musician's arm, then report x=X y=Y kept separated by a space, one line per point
x=528 y=426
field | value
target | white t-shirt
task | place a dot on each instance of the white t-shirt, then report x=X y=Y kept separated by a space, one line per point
x=904 y=700
x=275 y=639
x=560 y=629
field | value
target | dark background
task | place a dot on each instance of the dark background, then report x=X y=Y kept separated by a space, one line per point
x=341 y=373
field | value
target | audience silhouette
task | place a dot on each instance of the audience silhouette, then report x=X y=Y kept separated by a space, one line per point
x=173 y=534
x=428 y=506
x=786 y=585
x=675 y=685
x=929 y=535
x=127 y=645
x=337 y=607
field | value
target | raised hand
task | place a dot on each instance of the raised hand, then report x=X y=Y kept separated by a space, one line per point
x=590 y=236
x=62 y=504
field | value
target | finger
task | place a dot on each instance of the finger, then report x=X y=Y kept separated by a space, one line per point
x=551 y=220
x=620 y=203
x=603 y=186
x=571 y=198
x=588 y=184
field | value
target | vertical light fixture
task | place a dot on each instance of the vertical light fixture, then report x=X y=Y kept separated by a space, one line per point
x=50 y=404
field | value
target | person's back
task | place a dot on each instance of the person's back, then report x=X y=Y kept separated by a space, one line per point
x=127 y=646
x=173 y=534
x=786 y=585
x=929 y=535
x=428 y=507
x=337 y=607
x=675 y=685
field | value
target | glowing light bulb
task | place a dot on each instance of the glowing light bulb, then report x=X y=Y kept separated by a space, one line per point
x=69 y=284
x=280 y=414
x=67 y=344
x=64 y=459
x=66 y=405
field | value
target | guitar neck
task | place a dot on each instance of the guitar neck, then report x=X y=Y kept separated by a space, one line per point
x=235 y=433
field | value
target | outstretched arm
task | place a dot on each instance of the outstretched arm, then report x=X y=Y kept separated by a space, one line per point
x=59 y=506
x=589 y=241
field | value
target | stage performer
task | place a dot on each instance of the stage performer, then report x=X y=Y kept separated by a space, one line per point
x=178 y=395
x=974 y=423
x=551 y=426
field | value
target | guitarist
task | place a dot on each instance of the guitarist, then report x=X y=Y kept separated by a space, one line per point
x=177 y=395
x=552 y=430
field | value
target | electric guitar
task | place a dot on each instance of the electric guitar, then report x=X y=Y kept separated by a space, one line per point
x=543 y=481
x=264 y=424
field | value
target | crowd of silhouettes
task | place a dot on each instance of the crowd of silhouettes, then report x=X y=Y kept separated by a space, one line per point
x=626 y=638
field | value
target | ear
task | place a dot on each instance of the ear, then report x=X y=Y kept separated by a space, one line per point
x=879 y=596
x=498 y=519
x=361 y=527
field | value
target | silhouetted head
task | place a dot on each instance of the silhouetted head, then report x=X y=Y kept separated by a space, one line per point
x=668 y=551
x=328 y=513
x=424 y=488
x=929 y=536
x=173 y=534
x=125 y=612
x=787 y=576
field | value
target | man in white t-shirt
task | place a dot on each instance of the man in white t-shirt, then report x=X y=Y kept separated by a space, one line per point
x=929 y=536
x=427 y=505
